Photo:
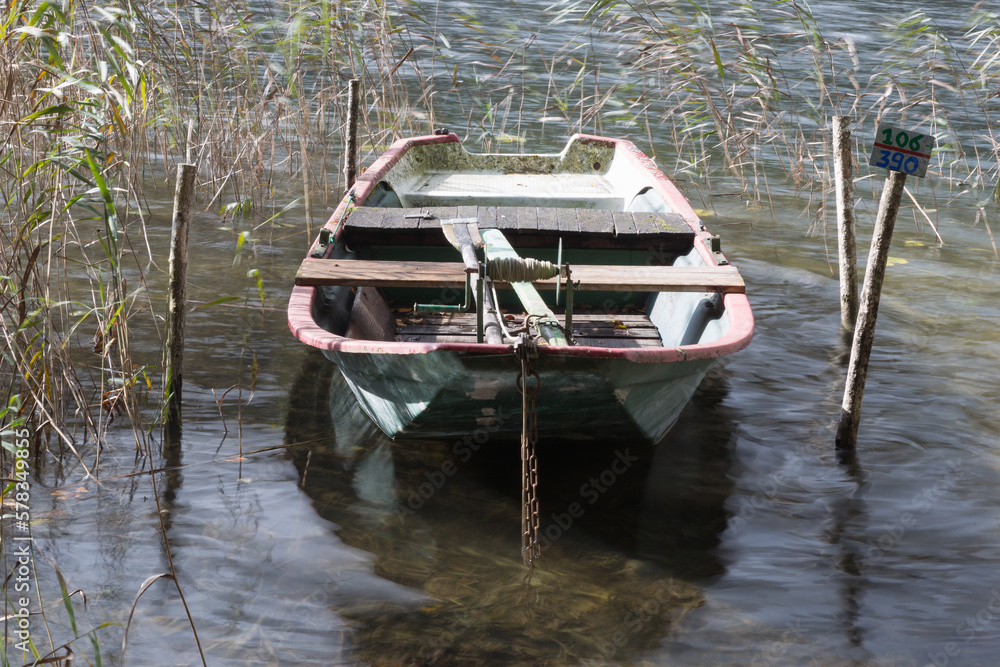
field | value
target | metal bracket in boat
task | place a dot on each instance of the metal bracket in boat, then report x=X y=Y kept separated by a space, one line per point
x=463 y=240
x=487 y=313
x=525 y=346
x=327 y=238
x=466 y=306
x=715 y=245
x=322 y=244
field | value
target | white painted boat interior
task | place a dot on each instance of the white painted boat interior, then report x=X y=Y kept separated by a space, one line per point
x=582 y=176
x=551 y=186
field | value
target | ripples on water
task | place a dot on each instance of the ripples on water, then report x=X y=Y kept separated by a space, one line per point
x=739 y=540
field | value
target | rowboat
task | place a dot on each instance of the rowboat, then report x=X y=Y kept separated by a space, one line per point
x=446 y=282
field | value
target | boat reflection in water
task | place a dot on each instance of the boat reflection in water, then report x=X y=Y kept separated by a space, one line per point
x=627 y=533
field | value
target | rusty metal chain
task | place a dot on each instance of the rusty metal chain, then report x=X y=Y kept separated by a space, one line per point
x=530 y=515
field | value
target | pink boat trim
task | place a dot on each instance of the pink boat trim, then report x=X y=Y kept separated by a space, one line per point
x=304 y=328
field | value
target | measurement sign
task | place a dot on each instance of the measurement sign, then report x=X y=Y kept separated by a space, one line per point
x=901 y=150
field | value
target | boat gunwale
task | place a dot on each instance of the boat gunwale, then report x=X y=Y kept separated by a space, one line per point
x=304 y=327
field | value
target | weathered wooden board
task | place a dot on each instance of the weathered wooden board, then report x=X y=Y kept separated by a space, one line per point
x=624 y=223
x=369 y=218
x=568 y=222
x=357 y=272
x=595 y=222
x=527 y=227
x=587 y=341
x=595 y=330
x=606 y=278
x=527 y=219
x=506 y=217
x=548 y=221
x=465 y=213
x=660 y=223
x=394 y=218
x=467 y=321
x=487 y=217
x=594 y=278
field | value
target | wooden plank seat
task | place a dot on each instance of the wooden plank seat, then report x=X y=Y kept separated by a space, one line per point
x=623 y=330
x=531 y=226
x=586 y=277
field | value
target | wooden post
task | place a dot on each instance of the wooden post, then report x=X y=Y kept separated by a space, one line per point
x=351 y=151
x=176 y=313
x=304 y=150
x=190 y=142
x=871 y=292
x=843 y=168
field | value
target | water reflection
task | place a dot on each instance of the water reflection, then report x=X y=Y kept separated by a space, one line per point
x=628 y=532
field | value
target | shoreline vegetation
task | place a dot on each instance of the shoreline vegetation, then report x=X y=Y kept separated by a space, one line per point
x=96 y=102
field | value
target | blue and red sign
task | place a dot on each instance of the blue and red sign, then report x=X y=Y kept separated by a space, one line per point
x=901 y=150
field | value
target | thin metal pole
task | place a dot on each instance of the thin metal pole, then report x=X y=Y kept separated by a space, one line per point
x=871 y=293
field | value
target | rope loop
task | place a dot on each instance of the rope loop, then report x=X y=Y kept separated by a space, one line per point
x=520 y=269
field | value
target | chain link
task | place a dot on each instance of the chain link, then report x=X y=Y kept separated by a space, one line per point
x=530 y=515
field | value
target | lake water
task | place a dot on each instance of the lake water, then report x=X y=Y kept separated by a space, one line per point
x=300 y=535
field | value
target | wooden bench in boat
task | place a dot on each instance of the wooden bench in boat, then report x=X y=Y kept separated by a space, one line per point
x=530 y=226
x=621 y=330
x=586 y=277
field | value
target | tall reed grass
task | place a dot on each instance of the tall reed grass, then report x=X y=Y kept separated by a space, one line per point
x=746 y=90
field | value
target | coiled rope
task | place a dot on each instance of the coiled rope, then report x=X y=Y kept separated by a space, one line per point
x=520 y=269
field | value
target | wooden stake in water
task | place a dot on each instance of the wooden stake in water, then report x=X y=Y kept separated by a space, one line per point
x=902 y=152
x=176 y=313
x=843 y=167
x=351 y=151
x=190 y=142
x=871 y=293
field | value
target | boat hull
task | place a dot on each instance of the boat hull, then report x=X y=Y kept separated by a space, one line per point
x=449 y=394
